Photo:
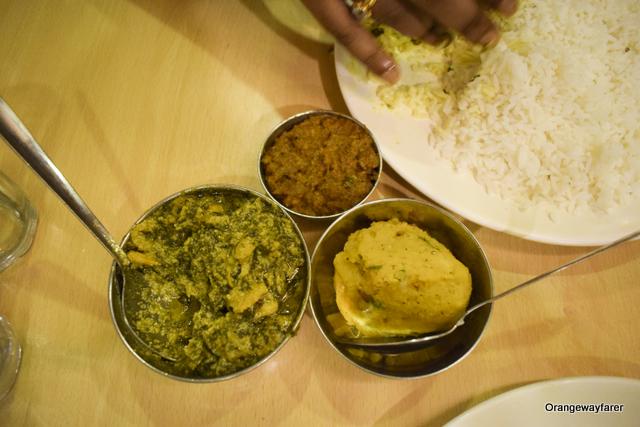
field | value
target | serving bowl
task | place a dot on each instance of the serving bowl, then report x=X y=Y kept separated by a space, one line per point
x=438 y=355
x=319 y=179
x=169 y=368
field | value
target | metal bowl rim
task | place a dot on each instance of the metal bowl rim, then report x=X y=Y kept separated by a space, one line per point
x=297 y=118
x=295 y=325
x=465 y=229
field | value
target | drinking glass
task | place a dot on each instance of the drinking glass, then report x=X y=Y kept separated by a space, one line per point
x=18 y=221
x=10 y=354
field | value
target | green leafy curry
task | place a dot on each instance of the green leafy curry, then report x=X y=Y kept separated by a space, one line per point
x=225 y=280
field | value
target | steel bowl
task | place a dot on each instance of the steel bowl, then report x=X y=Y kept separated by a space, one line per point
x=438 y=355
x=290 y=123
x=153 y=360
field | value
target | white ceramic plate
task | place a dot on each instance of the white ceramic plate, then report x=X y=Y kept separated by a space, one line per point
x=403 y=144
x=532 y=405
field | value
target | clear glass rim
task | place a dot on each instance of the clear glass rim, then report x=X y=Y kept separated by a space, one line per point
x=10 y=357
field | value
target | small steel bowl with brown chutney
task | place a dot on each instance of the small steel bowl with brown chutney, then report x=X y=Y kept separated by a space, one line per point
x=319 y=164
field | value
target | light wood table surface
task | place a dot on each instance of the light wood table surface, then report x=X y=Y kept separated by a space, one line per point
x=137 y=99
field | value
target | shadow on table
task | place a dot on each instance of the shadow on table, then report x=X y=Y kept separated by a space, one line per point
x=189 y=18
x=456 y=410
x=565 y=367
x=322 y=53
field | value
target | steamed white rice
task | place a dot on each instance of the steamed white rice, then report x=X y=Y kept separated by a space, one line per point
x=548 y=117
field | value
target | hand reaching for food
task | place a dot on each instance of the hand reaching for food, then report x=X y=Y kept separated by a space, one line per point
x=428 y=20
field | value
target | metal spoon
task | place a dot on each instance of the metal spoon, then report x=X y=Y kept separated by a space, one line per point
x=133 y=282
x=403 y=344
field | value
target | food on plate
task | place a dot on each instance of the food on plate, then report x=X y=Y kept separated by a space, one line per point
x=394 y=279
x=548 y=117
x=224 y=287
x=323 y=165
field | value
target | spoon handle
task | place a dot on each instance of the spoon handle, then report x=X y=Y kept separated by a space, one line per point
x=555 y=270
x=25 y=145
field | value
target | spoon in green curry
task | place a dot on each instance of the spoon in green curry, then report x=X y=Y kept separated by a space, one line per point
x=410 y=343
x=133 y=281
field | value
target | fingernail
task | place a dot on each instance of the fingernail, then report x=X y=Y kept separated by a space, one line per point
x=490 y=39
x=391 y=73
x=508 y=7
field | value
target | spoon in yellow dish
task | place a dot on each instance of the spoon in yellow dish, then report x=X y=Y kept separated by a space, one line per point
x=133 y=281
x=411 y=343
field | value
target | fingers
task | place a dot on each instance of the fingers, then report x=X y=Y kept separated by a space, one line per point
x=467 y=17
x=414 y=18
x=506 y=7
x=337 y=19
x=405 y=18
x=420 y=19
x=464 y=16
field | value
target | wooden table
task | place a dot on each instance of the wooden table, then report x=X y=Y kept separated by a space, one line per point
x=135 y=100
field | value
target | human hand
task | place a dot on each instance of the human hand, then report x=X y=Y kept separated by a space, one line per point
x=427 y=20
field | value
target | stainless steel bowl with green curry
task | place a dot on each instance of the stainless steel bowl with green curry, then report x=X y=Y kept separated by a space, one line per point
x=228 y=279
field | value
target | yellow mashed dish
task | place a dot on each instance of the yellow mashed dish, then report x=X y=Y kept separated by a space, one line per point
x=393 y=278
